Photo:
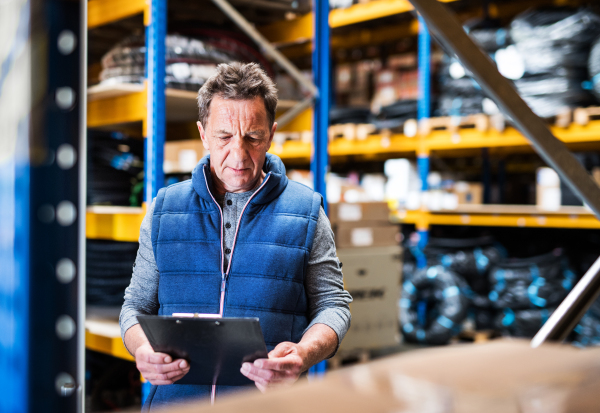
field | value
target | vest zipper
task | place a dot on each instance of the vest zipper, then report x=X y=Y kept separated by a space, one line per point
x=224 y=275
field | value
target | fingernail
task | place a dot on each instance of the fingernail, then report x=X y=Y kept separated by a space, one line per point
x=258 y=363
x=245 y=367
x=183 y=364
x=167 y=359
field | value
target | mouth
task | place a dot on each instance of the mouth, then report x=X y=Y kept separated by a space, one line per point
x=239 y=171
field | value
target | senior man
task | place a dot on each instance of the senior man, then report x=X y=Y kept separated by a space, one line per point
x=239 y=240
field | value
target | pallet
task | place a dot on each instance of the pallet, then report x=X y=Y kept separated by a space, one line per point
x=351 y=131
x=583 y=116
x=281 y=137
x=342 y=358
x=453 y=124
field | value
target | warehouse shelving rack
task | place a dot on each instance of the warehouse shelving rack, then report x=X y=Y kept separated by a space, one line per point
x=146 y=104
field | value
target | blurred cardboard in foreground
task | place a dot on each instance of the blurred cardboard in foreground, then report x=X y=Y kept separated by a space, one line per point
x=504 y=376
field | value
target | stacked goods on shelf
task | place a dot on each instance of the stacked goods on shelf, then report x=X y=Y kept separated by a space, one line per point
x=368 y=247
x=396 y=92
x=182 y=156
x=108 y=271
x=594 y=67
x=437 y=299
x=460 y=95
x=553 y=45
x=404 y=188
x=353 y=83
x=190 y=61
x=115 y=169
x=526 y=291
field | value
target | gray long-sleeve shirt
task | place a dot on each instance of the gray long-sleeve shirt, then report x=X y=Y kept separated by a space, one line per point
x=328 y=302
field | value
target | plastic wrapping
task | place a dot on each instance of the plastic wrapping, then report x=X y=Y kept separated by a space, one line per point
x=394 y=115
x=522 y=323
x=551 y=38
x=348 y=115
x=587 y=332
x=432 y=306
x=594 y=67
x=460 y=95
x=190 y=61
x=537 y=282
x=115 y=169
x=108 y=271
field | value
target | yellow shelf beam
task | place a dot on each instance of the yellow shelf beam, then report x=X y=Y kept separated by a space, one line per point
x=440 y=141
x=301 y=28
x=102 y=12
x=114 y=223
x=104 y=336
x=118 y=109
x=541 y=219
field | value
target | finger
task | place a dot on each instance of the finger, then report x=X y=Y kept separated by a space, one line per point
x=150 y=371
x=157 y=358
x=179 y=364
x=268 y=375
x=287 y=363
x=160 y=382
x=261 y=387
x=281 y=350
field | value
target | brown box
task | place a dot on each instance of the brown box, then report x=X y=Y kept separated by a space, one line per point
x=365 y=211
x=182 y=156
x=366 y=234
x=373 y=277
x=469 y=193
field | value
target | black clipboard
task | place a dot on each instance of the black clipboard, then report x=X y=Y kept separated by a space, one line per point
x=214 y=347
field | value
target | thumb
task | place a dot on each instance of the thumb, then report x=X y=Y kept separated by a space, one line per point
x=282 y=350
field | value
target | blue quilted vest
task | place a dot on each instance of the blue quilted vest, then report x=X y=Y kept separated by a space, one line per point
x=268 y=262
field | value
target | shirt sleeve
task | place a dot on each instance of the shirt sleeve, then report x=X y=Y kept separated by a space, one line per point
x=328 y=302
x=141 y=297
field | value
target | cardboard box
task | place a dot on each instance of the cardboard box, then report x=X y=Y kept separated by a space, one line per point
x=365 y=211
x=182 y=156
x=469 y=193
x=373 y=278
x=366 y=234
x=547 y=190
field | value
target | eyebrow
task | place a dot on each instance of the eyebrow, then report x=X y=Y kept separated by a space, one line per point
x=252 y=132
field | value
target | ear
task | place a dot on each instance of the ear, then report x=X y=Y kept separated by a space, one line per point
x=273 y=129
x=203 y=136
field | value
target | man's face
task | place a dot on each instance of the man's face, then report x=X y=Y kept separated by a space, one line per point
x=238 y=136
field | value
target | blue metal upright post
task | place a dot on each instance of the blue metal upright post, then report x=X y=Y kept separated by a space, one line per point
x=321 y=72
x=154 y=176
x=322 y=77
x=156 y=33
x=423 y=112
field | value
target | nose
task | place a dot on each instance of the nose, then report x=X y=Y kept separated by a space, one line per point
x=237 y=150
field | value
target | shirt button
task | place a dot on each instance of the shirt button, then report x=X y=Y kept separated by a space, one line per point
x=229 y=202
x=228 y=225
x=227 y=251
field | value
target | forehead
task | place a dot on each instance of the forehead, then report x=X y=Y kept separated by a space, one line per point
x=244 y=112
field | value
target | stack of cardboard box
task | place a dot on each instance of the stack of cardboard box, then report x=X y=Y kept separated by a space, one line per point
x=368 y=246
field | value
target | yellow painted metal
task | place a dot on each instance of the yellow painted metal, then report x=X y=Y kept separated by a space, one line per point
x=101 y=12
x=441 y=141
x=423 y=219
x=108 y=345
x=114 y=223
x=301 y=28
x=302 y=122
x=119 y=109
x=290 y=31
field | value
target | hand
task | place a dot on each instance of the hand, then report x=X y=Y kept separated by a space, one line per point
x=281 y=369
x=159 y=368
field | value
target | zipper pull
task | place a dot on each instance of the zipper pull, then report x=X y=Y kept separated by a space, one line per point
x=223 y=284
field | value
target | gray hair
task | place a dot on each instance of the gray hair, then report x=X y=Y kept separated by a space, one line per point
x=238 y=81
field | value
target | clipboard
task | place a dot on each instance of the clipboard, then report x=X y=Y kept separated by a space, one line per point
x=214 y=347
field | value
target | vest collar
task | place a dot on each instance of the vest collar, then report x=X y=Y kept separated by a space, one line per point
x=276 y=180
